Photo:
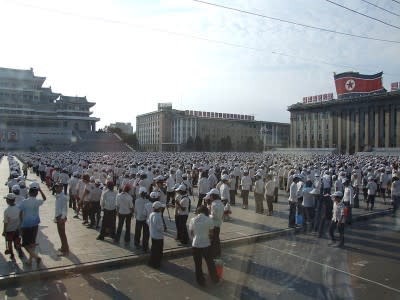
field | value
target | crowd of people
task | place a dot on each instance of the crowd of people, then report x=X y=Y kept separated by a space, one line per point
x=108 y=190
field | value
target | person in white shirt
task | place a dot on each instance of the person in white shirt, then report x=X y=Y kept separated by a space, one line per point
x=156 y=234
x=348 y=196
x=201 y=228
x=141 y=215
x=61 y=211
x=294 y=194
x=73 y=183
x=94 y=205
x=395 y=194
x=232 y=189
x=64 y=178
x=269 y=193
x=171 y=188
x=338 y=218
x=124 y=206
x=203 y=187
x=259 y=193
x=245 y=185
x=224 y=189
x=371 y=190
x=216 y=215
x=108 y=205
x=181 y=214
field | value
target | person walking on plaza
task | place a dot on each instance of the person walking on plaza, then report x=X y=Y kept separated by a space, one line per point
x=245 y=185
x=61 y=211
x=395 y=194
x=294 y=194
x=108 y=205
x=156 y=228
x=141 y=215
x=11 y=230
x=348 y=196
x=181 y=214
x=30 y=220
x=269 y=193
x=203 y=187
x=201 y=230
x=72 y=184
x=372 y=189
x=232 y=189
x=94 y=205
x=338 y=219
x=259 y=194
x=124 y=206
x=216 y=215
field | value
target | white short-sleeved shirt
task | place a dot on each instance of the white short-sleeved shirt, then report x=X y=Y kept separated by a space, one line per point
x=11 y=217
x=200 y=226
x=124 y=203
x=184 y=202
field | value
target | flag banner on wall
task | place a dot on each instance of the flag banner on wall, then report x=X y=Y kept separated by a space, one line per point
x=353 y=84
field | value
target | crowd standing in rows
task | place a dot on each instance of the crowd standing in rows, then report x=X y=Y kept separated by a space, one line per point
x=100 y=187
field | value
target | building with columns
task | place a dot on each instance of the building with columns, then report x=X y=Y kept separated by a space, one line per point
x=33 y=116
x=348 y=125
x=168 y=129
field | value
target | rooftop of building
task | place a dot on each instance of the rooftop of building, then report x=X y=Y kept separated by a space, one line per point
x=369 y=99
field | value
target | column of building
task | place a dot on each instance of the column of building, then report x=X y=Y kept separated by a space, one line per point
x=357 y=131
x=377 y=127
x=397 y=126
x=331 y=117
x=347 y=116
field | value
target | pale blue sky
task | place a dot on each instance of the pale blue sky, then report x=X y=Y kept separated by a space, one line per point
x=128 y=66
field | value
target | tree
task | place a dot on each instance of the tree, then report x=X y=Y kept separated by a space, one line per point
x=207 y=143
x=189 y=144
x=198 y=143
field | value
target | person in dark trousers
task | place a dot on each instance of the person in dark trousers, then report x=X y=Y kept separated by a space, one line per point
x=61 y=211
x=156 y=228
x=201 y=229
x=338 y=219
x=125 y=210
x=108 y=205
x=181 y=214
x=141 y=215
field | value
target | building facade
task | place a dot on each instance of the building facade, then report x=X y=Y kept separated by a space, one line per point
x=349 y=125
x=33 y=116
x=126 y=128
x=168 y=129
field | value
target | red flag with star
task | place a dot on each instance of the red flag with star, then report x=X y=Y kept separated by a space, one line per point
x=353 y=84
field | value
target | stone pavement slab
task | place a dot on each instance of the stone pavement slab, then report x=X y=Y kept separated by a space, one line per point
x=86 y=250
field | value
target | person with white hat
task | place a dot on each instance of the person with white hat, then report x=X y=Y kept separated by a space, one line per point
x=30 y=220
x=61 y=211
x=294 y=194
x=338 y=218
x=259 y=193
x=203 y=187
x=201 y=229
x=94 y=205
x=371 y=190
x=216 y=214
x=108 y=205
x=245 y=185
x=11 y=230
x=124 y=206
x=141 y=215
x=156 y=234
x=72 y=184
x=181 y=214
x=269 y=193
x=17 y=192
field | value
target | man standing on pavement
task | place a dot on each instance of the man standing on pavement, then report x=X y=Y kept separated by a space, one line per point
x=124 y=207
x=201 y=229
x=259 y=194
x=156 y=234
x=108 y=205
x=181 y=214
x=245 y=185
x=293 y=200
x=61 y=211
x=216 y=214
x=372 y=189
x=338 y=219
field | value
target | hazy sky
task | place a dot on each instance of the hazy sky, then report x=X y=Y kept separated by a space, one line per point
x=128 y=55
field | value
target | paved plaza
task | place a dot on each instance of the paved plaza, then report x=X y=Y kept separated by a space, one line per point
x=85 y=249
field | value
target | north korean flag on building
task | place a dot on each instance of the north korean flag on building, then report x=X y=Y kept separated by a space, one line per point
x=353 y=84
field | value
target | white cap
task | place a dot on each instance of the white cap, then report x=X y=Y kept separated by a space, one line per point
x=157 y=205
x=337 y=194
x=142 y=189
x=224 y=177
x=181 y=187
x=214 y=191
x=16 y=187
x=34 y=185
x=10 y=196
x=314 y=192
x=154 y=195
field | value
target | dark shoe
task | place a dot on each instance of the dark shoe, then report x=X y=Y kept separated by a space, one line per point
x=85 y=222
x=76 y=217
x=38 y=260
x=12 y=257
x=100 y=238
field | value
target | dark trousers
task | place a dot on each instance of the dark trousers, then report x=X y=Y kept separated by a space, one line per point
x=308 y=218
x=65 y=185
x=371 y=199
x=276 y=190
x=216 y=243
x=94 y=213
x=171 y=197
x=63 y=236
x=85 y=211
x=340 y=227
x=141 y=226
x=245 y=196
x=108 y=224
x=181 y=229
x=396 y=204
x=236 y=183
x=259 y=198
x=232 y=196
x=269 y=203
x=200 y=202
x=198 y=254
x=121 y=219
x=72 y=202
x=156 y=253
x=292 y=213
x=42 y=176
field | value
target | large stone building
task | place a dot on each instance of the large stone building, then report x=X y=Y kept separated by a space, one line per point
x=349 y=125
x=168 y=129
x=34 y=116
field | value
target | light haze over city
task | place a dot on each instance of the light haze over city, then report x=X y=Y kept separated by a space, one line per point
x=127 y=56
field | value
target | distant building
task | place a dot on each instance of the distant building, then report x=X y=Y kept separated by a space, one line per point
x=349 y=125
x=33 y=116
x=168 y=129
x=125 y=127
